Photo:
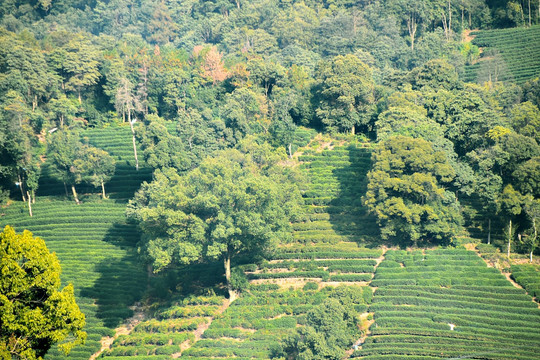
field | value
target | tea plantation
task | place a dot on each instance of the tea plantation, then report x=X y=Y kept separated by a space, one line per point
x=93 y=241
x=448 y=304
x=426 y=304
x=518 y=47
x=95 y=247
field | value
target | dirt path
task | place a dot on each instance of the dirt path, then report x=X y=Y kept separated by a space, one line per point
x=201 y=329
x=508 y=276
x=124 y=329
x=365 y=325
x=467 y=37
x=364 y=321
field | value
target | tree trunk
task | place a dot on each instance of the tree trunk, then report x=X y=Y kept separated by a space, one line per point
x=227 y=263
x=444 y=21
x=29 y=204
x=535 y=238
x=61 y=121
x=412 y=26
x=462 y=18
x=65 y=189
x=75 y=195
x=21 y=187
x=103 y=190
x=290 y=150
x=509 y=237
x=529 y=13
x=80 y=100
x=134 y=144
x=352 y=130
x=33 y=196
x=489 y=231
x=449 y=20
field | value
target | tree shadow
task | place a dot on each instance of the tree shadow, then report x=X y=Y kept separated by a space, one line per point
x=126 y=280
x=122 y=282
x=126 y=181
x=348 y=215
x=121 y=187
x=191 y=280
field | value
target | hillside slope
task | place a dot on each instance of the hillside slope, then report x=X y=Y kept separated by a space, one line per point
x=93 y=241
x=519 y=49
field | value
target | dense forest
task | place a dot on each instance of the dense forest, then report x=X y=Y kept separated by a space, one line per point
x=213 y=97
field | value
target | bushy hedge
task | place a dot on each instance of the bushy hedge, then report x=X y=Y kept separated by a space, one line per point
x=326 y=255
x=420 y=294
x=351 y=277
x=175 y=325
x=527 y=276
x=293 y=274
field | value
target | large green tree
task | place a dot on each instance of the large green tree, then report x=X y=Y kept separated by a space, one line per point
x=231 y=204
x=406 y=192
x=34 y=313
x=63 y=149
x=344 y=93
x=331 y=327
x=96 y=166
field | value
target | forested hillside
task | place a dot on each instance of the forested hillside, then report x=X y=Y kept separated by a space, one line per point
x=274 y=178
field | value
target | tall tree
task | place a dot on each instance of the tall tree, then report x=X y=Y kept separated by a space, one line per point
x=96 y=166
x=127 y=102
x=344 y=93
x=220 y=209
x=34 y=313
x=80 y=64
x=511 y=205
x=406 y=193
x=530 y=239
x=63 y=150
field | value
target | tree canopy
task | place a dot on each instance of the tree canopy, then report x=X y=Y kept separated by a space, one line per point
x=231 y=204
x=35 y=313
x=406 y=192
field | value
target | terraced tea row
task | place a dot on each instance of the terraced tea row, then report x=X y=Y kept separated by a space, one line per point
x=528 y=276
x=448 y=303
x=333 y=209
x=343 y=262
x=519 y=48
x=95 y=248
x=256 y=325
x=170 y=330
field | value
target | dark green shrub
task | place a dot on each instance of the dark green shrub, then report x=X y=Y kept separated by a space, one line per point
x=311 y=286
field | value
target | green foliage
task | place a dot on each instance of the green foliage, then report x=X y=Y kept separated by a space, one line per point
x=405 y=193
x=344 y=93
x=331 y=327
x=228 y=205
x=160 y=148
x=310 y=285
x=35 y=314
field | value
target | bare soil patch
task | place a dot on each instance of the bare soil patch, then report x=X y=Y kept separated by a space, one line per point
x=125 y=329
